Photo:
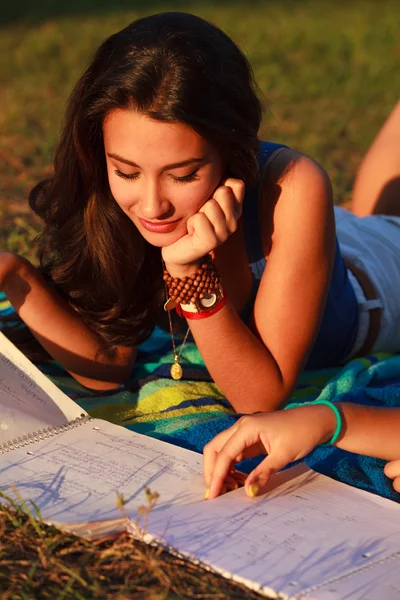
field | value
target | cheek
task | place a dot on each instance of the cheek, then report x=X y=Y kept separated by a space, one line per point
x=188 y=199
x=198 y=193
x=121 y=193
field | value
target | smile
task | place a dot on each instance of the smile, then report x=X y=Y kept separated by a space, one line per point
x=159 y=227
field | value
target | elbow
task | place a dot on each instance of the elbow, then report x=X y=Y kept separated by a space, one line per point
x=104 y=377
x=266 y=395
x=96 y=385
x=102 y=386
x=105 y=384
x=266 y=400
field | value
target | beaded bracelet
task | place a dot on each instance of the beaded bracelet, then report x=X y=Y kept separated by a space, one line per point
x=205 y=280
x=331 y=406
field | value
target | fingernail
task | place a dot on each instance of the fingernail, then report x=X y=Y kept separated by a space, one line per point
x=207 y=494
x=253 y=490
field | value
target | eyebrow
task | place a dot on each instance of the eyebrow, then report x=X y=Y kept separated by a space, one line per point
x=184 y=163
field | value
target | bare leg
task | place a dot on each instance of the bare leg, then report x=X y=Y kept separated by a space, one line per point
x=377 y=185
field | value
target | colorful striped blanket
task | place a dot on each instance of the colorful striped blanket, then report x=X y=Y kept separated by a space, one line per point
x=189 y=412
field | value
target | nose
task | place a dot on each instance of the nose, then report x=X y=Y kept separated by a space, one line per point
x=153 y=203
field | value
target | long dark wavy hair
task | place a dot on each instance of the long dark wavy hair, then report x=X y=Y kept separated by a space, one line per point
x=173 y=67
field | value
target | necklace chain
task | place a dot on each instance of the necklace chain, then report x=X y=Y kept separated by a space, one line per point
x=176 y=369
x=177 y=355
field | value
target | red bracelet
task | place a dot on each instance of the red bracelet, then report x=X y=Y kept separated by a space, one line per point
x=202 y=314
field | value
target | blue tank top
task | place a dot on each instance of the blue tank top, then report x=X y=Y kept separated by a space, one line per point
x=339 y=324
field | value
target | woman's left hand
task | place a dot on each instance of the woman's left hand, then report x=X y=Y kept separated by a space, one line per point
x=392 y=470
x=208 y=228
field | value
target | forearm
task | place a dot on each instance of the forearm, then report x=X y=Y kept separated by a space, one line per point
x=57 y=327
x=239 y=363
x=370 y=430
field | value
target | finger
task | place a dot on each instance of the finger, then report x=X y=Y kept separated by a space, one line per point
x=238 y=188
x=218 y=219
x=258 y=479
x=392 y=468
x=238 y=443
x=233 y=481
x=396 y=484
x=239 y=458
x=212 y=449
x=203 y=232
x=231 y=207
x=239 y=477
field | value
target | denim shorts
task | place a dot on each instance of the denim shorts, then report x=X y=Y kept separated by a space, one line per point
x=373 y=244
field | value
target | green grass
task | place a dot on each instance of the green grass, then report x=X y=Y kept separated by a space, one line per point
x=328 y=71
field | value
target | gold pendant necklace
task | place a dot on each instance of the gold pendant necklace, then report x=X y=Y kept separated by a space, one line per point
x=176 y=369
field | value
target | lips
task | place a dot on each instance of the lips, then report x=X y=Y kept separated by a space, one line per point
x=159 y=226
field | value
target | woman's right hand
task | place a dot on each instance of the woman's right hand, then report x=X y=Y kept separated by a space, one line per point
x=285 y=436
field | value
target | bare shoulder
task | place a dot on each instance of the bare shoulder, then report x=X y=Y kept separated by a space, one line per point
x=294 y=187
x=288 y=168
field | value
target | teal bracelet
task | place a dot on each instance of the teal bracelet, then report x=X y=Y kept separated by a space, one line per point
x=335 y=410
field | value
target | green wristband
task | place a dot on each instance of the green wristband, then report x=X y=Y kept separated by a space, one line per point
x=335 y=410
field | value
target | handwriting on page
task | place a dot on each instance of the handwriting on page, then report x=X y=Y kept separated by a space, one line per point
x=76 y=475
x=24 y=406
x=304 y=531
x=28 y=399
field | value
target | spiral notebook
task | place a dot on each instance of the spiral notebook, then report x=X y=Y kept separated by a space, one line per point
x=307 y=537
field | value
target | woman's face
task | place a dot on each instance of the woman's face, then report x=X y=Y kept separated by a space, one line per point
x=160 y=173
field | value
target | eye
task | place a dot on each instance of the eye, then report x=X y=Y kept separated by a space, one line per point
x=130 y=176
x=187 y=178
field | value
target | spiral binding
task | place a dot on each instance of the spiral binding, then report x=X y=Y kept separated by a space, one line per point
x=42 y=434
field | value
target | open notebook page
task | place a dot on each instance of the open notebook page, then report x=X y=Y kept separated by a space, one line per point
x=75 y=476
x=306 y=530
x=28 y=399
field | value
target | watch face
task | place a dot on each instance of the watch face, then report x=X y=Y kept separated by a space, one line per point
x=209 y=300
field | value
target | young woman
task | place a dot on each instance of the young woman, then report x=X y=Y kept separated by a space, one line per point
x=160 y=159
